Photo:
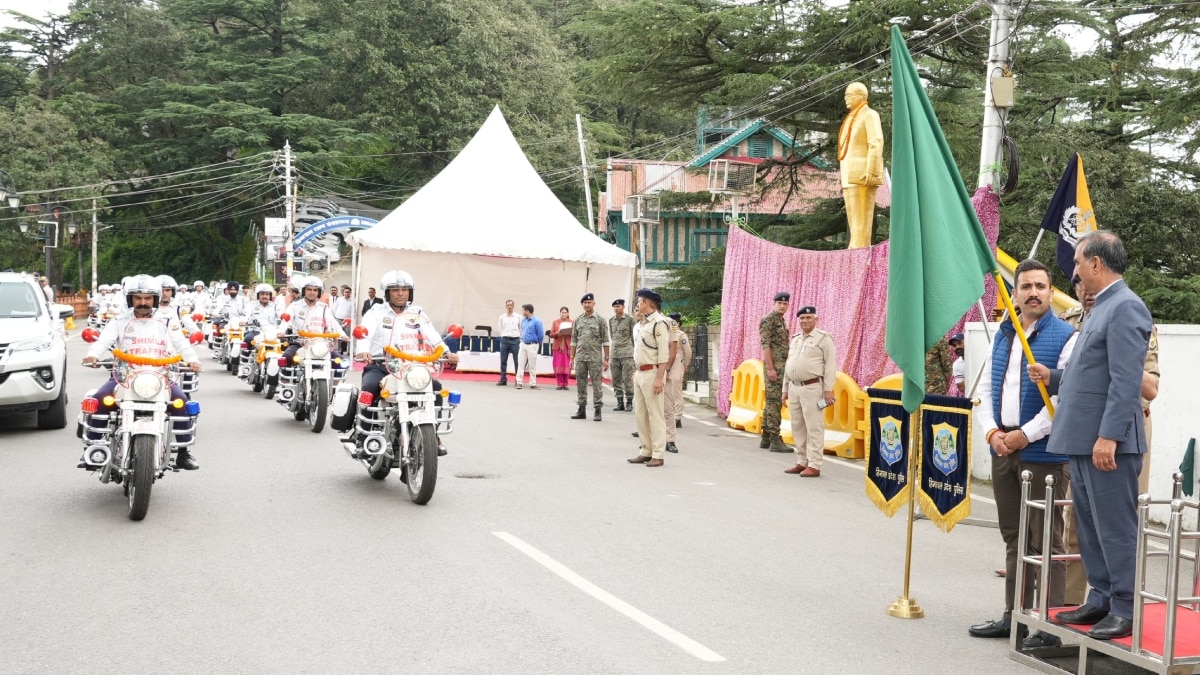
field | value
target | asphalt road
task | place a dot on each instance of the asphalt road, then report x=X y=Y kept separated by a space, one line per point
x=542 y=551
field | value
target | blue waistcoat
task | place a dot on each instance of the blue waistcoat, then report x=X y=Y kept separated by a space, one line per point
x=1050 y=334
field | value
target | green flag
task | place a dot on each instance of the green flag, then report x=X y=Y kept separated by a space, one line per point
x=939 y=255
x=1188 y=468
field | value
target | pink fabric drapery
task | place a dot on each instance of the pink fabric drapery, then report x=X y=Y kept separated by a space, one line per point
x=848 y=288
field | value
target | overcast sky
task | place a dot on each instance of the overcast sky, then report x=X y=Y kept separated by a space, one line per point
x=34 y=8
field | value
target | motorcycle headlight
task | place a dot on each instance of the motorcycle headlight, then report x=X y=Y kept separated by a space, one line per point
x=417 y=377
x=146 y=384
x=40 y=344
x=318 y=349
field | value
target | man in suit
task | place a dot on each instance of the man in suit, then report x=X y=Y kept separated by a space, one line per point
x=1099 y=426
x=860 y=158
x=371 y=301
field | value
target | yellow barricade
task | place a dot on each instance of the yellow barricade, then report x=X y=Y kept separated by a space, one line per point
x=747 y=398
x=846 y=426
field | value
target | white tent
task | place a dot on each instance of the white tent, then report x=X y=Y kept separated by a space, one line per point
x=487 y=229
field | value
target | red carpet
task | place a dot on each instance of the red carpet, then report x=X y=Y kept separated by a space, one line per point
x=1187 y=629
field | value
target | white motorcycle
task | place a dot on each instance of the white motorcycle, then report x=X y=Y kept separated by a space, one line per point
x=137 y=440
x=260 y=360
x=306 y=384
x=400 y=429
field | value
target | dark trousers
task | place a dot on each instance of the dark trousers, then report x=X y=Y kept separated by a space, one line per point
x=509 y=345
x=109 y=387
x=1106 y=512
x=1006 y=486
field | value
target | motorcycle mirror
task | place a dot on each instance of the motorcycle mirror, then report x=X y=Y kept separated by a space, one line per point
x=196 y=338
x=197 y=317
x=285 y=317
x=360 y=332
x=90 y=335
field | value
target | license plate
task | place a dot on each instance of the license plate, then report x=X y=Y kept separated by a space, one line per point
x=144 y=426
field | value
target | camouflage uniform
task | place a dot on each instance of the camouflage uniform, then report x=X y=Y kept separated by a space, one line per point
x=621 y=361
x=773 y=334
x=590 y=337
x=939 y=368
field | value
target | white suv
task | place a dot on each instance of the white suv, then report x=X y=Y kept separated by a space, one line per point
x=33 y=353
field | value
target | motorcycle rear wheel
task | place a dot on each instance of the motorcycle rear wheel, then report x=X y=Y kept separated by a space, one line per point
x=233 y=365
x=256 y=381
x=318 y=406
x=138 y=486
x=421 y=458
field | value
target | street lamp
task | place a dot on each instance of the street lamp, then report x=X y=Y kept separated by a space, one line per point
x=8 y=189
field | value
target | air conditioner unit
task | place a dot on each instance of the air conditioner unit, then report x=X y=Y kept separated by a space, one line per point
x=641 y=209
x=725 y=176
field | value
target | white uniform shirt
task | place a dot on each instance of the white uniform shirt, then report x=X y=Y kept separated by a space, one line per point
x=342 y=308
x=409 y=331
x=200 y=302
x=263 y=316
x=315 y=319
x=171 y=313
x=142 y=337
x=233 y=307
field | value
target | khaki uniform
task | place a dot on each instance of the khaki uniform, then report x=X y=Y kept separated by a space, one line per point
x=811 y=371
x=673 y=390
x=1076 y=579
x=650 y=352
x=685 y=360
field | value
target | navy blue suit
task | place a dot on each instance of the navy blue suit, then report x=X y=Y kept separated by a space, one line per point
x=1099 y=397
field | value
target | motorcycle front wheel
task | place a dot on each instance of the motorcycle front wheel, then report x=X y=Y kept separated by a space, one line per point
x=318 y=406
x=138 y=486
x=256 y=379
x=234 y=363
x=421 y=464
x=300 y=407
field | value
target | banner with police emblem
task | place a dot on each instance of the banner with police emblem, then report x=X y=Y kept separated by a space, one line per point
x=887 y=457
x=944 y=476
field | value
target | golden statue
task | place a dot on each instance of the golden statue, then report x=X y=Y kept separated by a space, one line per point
x=860 y=154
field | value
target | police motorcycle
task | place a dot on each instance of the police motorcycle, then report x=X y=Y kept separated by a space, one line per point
x=401 y=428
x=260 y=360
x=101 y=309
x=305 y=384
x=234 y=331
x=139 y=441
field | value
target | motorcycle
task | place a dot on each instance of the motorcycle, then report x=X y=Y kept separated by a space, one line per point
x=234 y=331
x=260 y=360
x=138 y=439
x=306 y=384
x=99 y=319
x=400 y=429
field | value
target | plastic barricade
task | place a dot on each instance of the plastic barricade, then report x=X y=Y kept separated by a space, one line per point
x=747 y=398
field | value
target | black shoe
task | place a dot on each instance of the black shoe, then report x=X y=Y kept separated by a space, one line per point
x=579 y=414
x=1084 y=615
x=596 y=415
x=764 y=442
x=184 y=461
x=1111 y=627
x=442 y=452
x=628 y=404
x=502 y=383
x=671 y=447
x=678 y=424
x=620 y=405
x=634 y=434
x=991 y=629
x=1040 y=640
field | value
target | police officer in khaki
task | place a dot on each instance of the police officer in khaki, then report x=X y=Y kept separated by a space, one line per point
x=673 y=392
x=650 y=354
x=685 y=361
x=809 y=374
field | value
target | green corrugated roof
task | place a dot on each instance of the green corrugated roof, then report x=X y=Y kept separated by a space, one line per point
x=745 y=132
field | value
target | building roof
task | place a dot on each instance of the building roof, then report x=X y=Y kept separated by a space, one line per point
x=748 y=130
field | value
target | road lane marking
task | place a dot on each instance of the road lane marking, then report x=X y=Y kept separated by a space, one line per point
x=646 y=621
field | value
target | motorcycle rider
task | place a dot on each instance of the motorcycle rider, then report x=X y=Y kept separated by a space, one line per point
x=403 y=325
x=169 y=307
x=199 y=298
x=140 y=334
x=261 y=313
x=311 y=315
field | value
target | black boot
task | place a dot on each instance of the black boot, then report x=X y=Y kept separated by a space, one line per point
x=596 y=417
x=628 y=404
x=579 y=414
x=671 y=447
x=765 y=441
x=620 y=405
x=185 y=461
x=678 y=424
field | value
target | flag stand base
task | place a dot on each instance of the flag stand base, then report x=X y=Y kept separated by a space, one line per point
x=905 y=607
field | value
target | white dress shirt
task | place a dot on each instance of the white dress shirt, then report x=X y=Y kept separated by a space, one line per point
x=1010 y=394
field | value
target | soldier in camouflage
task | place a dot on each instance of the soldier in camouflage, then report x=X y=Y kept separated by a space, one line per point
x=939 y=368
x=589 y=351
x=774 y=338
x=620 y=329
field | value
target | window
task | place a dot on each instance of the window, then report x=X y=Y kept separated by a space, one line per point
x=760 y=147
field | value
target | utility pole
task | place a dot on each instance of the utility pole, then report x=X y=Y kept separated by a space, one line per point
x=290 y=208
x=94 y=219
x=994 y=116
x=587 y=185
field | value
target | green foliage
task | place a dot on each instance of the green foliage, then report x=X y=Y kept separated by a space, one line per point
x=714 y=315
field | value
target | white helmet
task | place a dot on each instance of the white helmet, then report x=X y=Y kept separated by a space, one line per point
x=140 y=284
x=198 y=283
x=397 y=279
x=168 y=281
x=308 y=281
x=264 y=288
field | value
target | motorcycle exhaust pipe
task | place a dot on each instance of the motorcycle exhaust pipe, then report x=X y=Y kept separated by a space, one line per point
x=374 y=444
x=96 y=455
x=287 y=394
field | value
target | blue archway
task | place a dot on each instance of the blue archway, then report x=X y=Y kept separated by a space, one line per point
x=330 y=224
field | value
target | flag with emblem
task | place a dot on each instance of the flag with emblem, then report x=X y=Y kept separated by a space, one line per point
x=1070 y=215
x=944 y=475
x=938 y=254
x=888 y=458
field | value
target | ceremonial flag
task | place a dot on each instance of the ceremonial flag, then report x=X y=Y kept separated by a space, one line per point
x=939 y=254
x=1188 y=468
x=887 y=455
x=944 y=477
x=1070 y=215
